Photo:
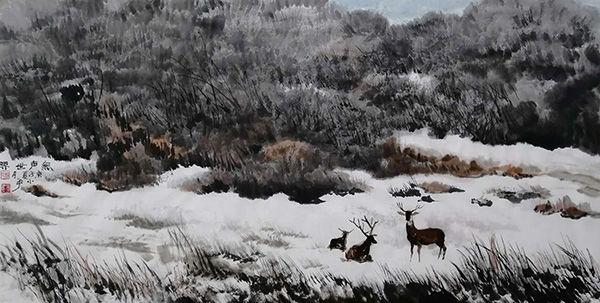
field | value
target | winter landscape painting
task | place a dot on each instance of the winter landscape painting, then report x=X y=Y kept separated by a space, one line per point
x=188 y=151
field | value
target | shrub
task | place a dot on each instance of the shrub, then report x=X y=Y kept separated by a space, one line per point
x=566 y=208
x=405 y=191
x=262 y=180
x=288 y=149
x=438 y=188
x=79 y=176
x=294 y=168
x=516 y=196
x=135 y=169
x=40 y=191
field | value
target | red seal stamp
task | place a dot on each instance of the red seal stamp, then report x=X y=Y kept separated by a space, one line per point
x=5 y=188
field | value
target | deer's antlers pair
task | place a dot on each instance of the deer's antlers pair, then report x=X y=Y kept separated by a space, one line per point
x=370 y=223
x=414 y=211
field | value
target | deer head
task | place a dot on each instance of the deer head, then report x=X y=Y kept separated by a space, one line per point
x=408 y=214
x=370 y=224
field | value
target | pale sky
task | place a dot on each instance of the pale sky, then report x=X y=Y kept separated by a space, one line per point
x=12 y=12
x=399 y=11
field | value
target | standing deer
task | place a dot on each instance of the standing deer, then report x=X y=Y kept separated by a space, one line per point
x=421 y=237
x=339 y=243
x=361 y=252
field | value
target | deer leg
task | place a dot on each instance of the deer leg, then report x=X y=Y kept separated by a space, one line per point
x=419 y=252
x=444 y=255
x=411 y=251
x=440 y=253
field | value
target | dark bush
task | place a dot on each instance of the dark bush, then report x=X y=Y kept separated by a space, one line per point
x=263 y=180
x=405 y=191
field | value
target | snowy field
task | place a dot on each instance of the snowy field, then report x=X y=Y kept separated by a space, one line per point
x=89 y=219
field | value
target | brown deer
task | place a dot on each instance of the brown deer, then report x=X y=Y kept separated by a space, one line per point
x=361 y=252
x=339 y=243
x=421 y=237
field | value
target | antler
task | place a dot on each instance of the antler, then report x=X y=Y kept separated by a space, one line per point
x=371 y=225
x=419 y=206
x=402 y=211
x=357 y=223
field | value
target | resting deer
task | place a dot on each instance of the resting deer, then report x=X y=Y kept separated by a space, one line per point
x=339 y=243
x=421 y=237
x=361 y=252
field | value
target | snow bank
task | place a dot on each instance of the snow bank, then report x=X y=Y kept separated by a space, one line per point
x=569 y=160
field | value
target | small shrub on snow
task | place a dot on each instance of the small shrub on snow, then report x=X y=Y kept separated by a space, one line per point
x=513 y=196
x=438 y=188
x=404 y=191
x=566 y=208
x=79 y=176
x=482 y=202
x=40 y=191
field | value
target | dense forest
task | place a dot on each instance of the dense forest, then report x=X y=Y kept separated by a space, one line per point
x=156 y=84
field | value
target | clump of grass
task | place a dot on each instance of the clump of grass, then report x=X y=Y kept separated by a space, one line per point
x=61 y=274
x=407 y=190
x=9 y=216
x=563 y=274
x=40 y=191
x=135 y=169
x=516 y=196
x=272 y=240
x=297 y=169
x=566 y=208
x=79 y=176
x=284 y=233
x=263 y=180
x=439 y=188
x=396 y=160
x=218 y=272
x=144 y=222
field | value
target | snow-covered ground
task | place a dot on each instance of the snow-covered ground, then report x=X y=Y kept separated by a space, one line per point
x=85 y=217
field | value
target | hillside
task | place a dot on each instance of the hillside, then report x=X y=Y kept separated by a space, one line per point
x=212 y=82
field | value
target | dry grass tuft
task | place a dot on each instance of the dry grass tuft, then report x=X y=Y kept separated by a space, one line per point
x=144 y=222
x=40 y=191
x=79 y=176
x=438 y=188
x=296 y=150
x=565 y=206
x=396 y=160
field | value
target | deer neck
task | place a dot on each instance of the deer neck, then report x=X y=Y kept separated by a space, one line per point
x=410 y=227
x=366 y=246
